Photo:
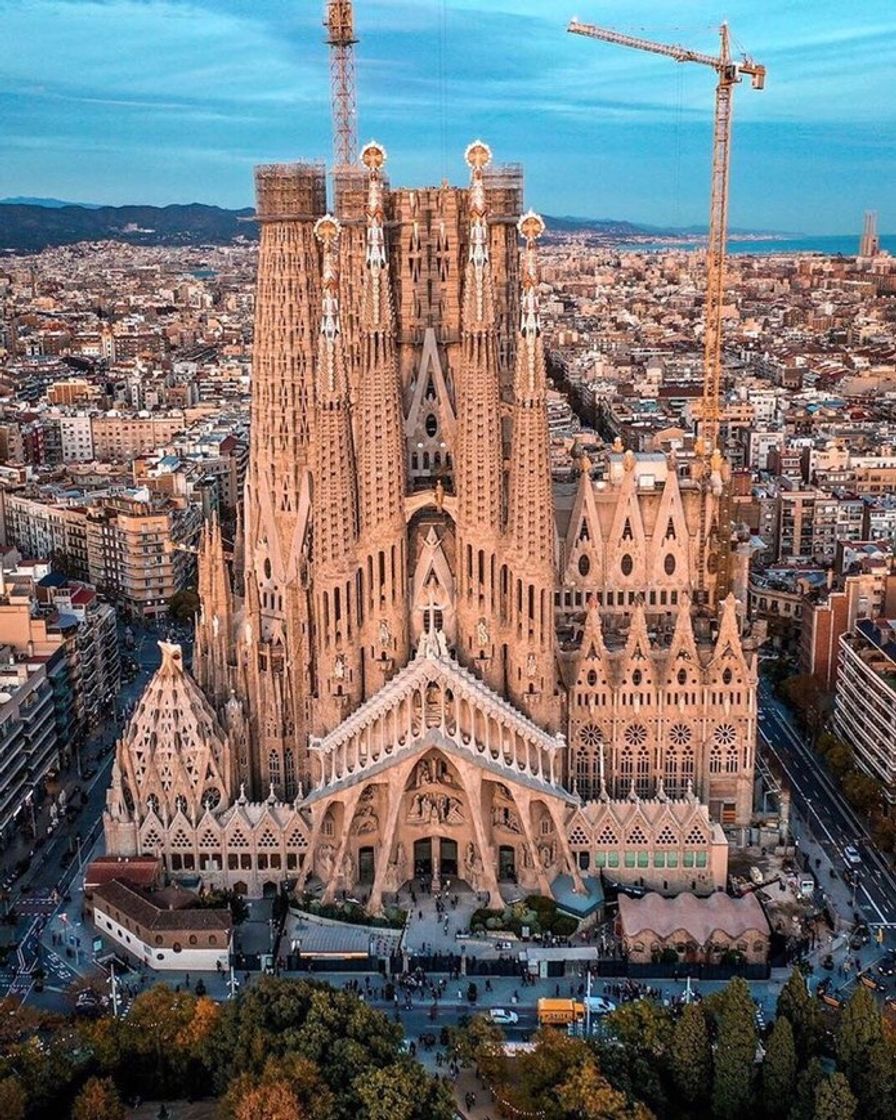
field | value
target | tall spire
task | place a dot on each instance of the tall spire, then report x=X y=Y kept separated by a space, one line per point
x=479 y=461
x=381 y=449
x=212 y=651
x=274 y=651
x=335 y=502
x=530 y=525
x=531 y=502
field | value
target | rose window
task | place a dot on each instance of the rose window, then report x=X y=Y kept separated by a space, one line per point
x=590 y=736
x=679 y=735
x=211 y=798
x=636 y=735
x=725 y=735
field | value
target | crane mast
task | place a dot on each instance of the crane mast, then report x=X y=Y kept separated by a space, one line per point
x=340 y=25
x=730 y=72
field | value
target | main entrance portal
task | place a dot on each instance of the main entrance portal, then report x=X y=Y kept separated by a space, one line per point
x=448 y=858
x=423 y=858
x=435 y=857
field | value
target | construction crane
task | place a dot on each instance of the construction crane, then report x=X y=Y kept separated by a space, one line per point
x=340 y=25
x=730 y=72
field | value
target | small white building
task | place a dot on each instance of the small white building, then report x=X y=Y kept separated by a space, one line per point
x=163 y=929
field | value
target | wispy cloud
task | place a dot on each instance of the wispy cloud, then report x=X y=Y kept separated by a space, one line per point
x=168 y=90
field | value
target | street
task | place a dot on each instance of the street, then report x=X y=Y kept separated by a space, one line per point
x=830 y=819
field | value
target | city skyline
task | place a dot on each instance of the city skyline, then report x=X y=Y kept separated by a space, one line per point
x=100 y=118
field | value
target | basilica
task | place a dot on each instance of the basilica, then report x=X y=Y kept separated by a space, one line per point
x=426 y=657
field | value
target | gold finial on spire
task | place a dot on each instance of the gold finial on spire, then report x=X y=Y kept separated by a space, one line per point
x=373 y=156
x=478 y=156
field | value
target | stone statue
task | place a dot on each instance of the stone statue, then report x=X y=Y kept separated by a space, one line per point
x=339 y=667
x=504 y=817
x=385 y=634
x=400 y=862
x=366 y=821
x=424 y=774
x=326 y=857
x=531 y=665
x=472 y=862
x=348 y=868
x=482 y=636
x=546 y=854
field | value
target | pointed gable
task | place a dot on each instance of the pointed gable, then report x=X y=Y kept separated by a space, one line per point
x=174 y=755
x=626 y=545
x=584 y=537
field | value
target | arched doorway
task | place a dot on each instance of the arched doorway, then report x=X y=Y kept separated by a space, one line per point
x=366 y=865
x=448 y=866
x=423 y=858
x=507 y=863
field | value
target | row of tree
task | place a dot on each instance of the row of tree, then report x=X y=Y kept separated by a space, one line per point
x=708 y=1060
x=283 y=1050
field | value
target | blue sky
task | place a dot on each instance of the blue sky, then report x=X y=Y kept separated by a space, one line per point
x=174 y=100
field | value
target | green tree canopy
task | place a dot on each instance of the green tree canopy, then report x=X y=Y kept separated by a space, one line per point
x=779 y=1069
x=690 y=1056
x=735 y=1053
x=834 y=1099
x=802 y=1009
x=860 y=1029
x=403 y=1091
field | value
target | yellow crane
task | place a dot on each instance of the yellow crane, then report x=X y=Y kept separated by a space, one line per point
x=730 y=72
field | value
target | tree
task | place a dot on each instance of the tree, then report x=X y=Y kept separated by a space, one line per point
x=876 y=1090
x=863 y=792
x=807 y=1081
x=183 y=605
x=635 y=1067
x=735 y=1052
x=404 y=1091
x=779 y=1068
x=13 y=1099
x=810 y=700
x=588 y=1095
x=804 y=1013
x=98 y=1100
x=859 y=1030
x=834 y=1099
x=274 y=1101
x=690 y=1056
x=481 y=1042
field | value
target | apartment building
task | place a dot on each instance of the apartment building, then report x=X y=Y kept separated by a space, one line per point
x=119 y=436
x=29 y=744
x=865 y=701
x=142 y=552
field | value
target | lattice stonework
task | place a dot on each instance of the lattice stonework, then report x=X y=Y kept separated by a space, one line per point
x=694 y=837
x=607 y=837
x=578 y=837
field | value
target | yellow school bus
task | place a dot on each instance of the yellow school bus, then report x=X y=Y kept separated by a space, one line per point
x=560 y=1012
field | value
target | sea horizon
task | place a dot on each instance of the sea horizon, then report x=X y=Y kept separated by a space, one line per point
x=846 y=245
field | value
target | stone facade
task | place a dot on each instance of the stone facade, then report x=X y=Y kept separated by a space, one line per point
x=429 y=659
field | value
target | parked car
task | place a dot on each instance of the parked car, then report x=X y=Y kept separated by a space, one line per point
x=502 y=1017
x=868 y=981
x=886 y=966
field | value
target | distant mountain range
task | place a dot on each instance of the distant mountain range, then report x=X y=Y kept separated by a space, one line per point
x=28 y=225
